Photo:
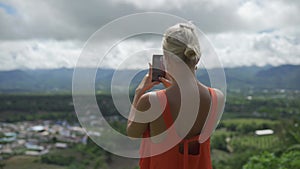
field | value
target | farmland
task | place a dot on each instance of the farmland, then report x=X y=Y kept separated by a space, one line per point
x=234 y=143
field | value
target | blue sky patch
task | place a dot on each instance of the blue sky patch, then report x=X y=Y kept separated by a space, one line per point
x=8 y=9
x=271 y=30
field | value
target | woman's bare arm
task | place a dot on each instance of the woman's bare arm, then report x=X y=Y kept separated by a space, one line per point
x=140 y=104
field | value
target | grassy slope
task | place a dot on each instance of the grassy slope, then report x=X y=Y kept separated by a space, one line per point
x=28 y=162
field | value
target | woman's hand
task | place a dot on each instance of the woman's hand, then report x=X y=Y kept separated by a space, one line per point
x=166 y=81
x=146 y=83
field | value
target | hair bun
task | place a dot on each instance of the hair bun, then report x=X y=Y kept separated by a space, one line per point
x=189 y=53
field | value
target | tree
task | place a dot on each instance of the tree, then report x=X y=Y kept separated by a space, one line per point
x=218 y=141
x=2 y=165
x=289 y=159
x=264 y=161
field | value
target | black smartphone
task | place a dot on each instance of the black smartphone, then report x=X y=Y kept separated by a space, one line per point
x=158 y=68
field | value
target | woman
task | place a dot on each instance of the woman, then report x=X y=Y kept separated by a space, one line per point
x=180 y=45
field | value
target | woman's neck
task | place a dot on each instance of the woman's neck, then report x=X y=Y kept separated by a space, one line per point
x=183 y=79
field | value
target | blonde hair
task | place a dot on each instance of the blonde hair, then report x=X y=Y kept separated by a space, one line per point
x=182 y=41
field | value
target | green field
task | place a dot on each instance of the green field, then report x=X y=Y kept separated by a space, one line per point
x=28 y=162
x=233 y=144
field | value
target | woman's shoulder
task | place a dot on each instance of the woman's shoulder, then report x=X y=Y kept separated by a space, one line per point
x=146 y=99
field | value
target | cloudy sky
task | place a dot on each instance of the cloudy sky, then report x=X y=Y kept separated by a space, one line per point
x=51 y=34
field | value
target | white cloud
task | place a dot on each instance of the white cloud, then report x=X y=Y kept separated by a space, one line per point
x=78 y=20
x=48 y=54
x=177 y=4
x=155 y=4
x=56 y=19
x=38 y=54
x=131 y=54
x=50 y=34
x=234 y=49
x=263 y=14
x=273 y=48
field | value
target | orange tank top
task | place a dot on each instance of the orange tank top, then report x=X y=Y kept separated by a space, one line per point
x=173 y=158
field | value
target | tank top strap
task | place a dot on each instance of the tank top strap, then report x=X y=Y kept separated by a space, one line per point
x=167 y=116
x=213 y=115
x=211 y=119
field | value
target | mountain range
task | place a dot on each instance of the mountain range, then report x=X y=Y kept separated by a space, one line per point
x=60 y=80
